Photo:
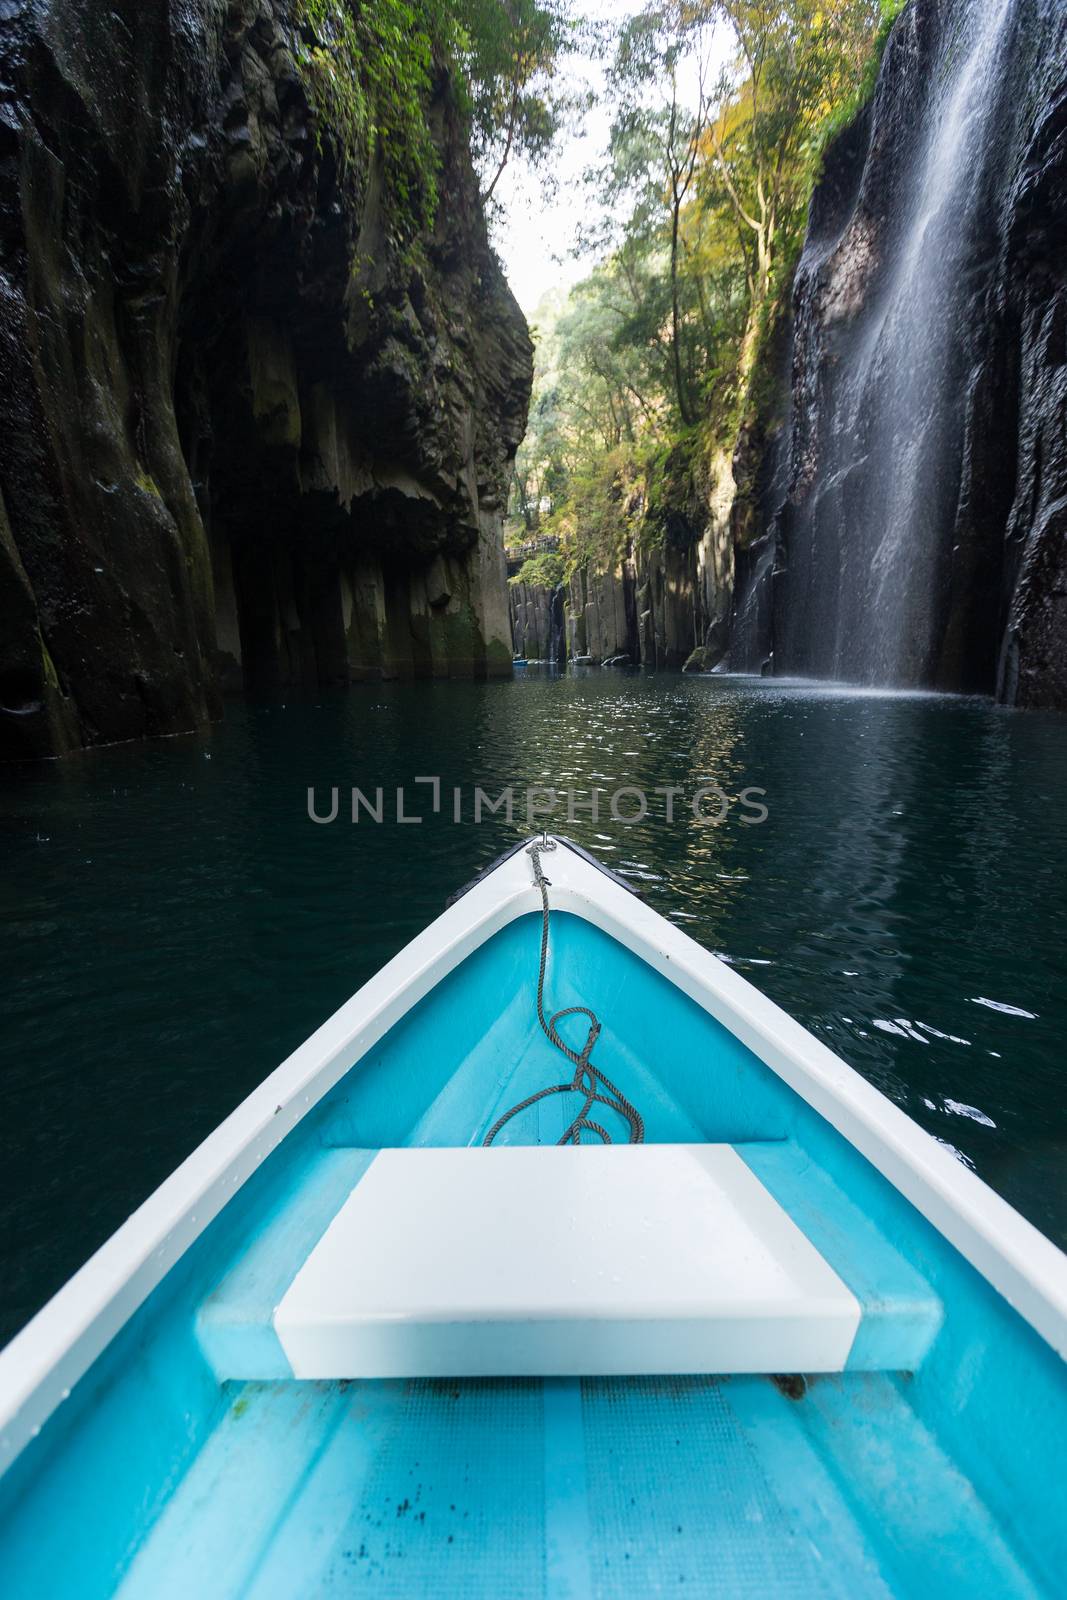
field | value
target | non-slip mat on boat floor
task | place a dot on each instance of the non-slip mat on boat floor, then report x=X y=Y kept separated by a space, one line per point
x=498 y=1489
x=691 y=1507
x=594 y=1488
x=453 y=1502
x=507 y=1489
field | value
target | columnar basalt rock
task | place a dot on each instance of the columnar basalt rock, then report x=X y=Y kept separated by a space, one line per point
x=665 y=601
x=531 y=619
x=247 y=438
x=664 y=607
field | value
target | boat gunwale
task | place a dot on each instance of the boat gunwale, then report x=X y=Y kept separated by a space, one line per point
x=41 y=1365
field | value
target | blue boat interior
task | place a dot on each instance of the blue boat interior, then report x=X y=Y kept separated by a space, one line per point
x=189 y=1461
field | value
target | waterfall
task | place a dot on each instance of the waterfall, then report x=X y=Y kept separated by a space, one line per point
x=557 y=653
x=869 y=551
x=750 y=625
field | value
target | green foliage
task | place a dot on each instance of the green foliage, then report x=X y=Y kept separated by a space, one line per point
x=797 y=64
x=506 y=52
x=848 y=109
x=673 y=493
x=652 y=365
x=545 y=569
x=370 y=69
x=600 y=517
x=371 y=66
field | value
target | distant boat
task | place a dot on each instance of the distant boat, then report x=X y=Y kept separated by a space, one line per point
x=772 y=1339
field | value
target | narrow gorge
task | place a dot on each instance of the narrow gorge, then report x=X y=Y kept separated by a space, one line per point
x=256 y=426
x=260 y=411
x=894 y=510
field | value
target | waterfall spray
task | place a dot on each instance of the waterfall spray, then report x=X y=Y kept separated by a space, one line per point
x=867 y=554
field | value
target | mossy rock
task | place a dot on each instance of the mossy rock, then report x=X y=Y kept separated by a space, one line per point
x=676 y=505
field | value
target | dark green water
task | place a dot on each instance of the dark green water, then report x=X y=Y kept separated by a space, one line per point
x=173 y=924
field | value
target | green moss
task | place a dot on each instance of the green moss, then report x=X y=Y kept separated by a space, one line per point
x=145 y=481
x=676 y=491
x=600 y=517
x=48 y=666
x=457 y=639
x=497 y=658
x=850 y=108
x=370 y=72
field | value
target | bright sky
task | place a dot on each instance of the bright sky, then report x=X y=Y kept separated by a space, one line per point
x=535 y=237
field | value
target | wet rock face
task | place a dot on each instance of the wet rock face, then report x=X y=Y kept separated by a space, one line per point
x=245 y=437
x=920 y=537
x=1032 y=666
x=537 y=631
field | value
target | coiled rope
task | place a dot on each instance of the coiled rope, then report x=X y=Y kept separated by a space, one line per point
x=588 y=1080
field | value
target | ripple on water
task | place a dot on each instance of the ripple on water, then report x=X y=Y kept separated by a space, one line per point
x=217 y=926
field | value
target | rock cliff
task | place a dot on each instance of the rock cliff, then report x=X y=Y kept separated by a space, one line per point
x=921 y=536
x=896 y=511
x=248 y=437
x=664 y=602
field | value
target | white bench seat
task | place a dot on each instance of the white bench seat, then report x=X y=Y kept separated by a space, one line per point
x=548 y=1261
x=464 y=1261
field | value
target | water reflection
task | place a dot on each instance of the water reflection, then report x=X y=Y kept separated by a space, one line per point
x=171 y=924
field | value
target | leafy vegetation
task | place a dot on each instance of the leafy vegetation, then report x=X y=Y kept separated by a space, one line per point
x=544 y=569
x=651 y=365
x=649 y=368
x=507 y=52
x=372 y=65
x=849 y=108
x=370 y=70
